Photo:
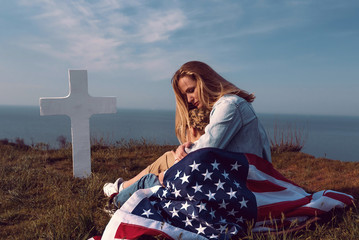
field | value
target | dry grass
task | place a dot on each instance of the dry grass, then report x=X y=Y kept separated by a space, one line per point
x=41 y=200
x=315 y=174
x=287 y=139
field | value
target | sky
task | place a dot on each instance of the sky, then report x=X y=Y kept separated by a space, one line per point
x=297 y=57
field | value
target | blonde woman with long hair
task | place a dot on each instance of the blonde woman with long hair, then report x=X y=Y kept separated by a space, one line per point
x=233 y=125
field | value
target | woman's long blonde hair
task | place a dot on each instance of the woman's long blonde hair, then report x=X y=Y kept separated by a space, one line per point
x=210 y=86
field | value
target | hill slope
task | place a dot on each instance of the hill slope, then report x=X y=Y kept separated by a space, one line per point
x=41 y=200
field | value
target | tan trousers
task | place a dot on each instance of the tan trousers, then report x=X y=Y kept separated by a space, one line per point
x=161 y=164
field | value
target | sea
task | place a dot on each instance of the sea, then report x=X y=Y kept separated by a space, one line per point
x=333 y=137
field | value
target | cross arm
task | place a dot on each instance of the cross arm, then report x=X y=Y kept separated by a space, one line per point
x=53 y=106
x=102 y=105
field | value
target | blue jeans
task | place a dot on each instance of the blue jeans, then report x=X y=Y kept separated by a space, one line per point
x=147 y=181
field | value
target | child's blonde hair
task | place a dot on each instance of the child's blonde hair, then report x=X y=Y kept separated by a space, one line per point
x=198 y=119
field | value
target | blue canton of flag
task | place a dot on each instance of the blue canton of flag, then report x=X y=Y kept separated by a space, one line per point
x=205 y=193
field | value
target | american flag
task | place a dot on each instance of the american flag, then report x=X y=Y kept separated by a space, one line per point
x=215 y=194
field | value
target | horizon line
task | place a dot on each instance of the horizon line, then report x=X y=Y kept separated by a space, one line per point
x=167 y=109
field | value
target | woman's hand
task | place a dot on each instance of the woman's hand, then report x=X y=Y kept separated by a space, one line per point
x=181 y=152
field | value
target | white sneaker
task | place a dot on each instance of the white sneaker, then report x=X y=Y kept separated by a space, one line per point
x=111 y=188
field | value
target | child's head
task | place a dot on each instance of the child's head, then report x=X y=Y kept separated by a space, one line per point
x=198 y=120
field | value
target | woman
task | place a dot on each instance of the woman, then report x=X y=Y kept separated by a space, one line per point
x=193 y=203
x=233 y=125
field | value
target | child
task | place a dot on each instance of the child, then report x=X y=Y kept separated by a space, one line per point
x=198 y=120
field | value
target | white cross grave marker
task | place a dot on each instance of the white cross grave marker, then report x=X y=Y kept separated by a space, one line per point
x=79 y=106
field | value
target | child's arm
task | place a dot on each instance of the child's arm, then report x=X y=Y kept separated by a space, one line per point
x=161 y=176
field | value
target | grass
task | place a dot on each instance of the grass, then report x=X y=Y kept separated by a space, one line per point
x=41 y=200
x=287 y=139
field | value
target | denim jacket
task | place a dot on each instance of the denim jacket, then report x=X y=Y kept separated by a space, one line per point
x=234 y=126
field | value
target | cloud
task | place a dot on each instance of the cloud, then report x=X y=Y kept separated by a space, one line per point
x=99 y=35
x=160 y=25
x=109 y=34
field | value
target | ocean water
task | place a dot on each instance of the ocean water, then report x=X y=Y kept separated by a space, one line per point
x=334 y=137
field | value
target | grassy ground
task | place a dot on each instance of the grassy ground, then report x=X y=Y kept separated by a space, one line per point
x=39 y=198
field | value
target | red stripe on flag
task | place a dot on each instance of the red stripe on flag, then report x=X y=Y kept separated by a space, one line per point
x=276 y=209
x=95 y=238
x=266 y=167
x=305 y=211
x=131 y=231
x=263 y=186
x=340 y=197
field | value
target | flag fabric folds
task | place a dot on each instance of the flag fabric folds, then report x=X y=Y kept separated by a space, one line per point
x=214 y=194
x=281 y=202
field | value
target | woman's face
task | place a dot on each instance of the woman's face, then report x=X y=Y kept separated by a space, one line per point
x=188 y=88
